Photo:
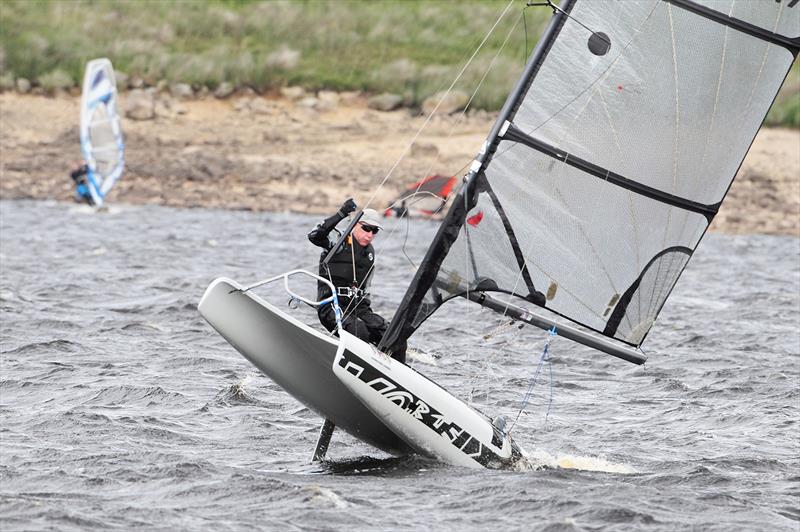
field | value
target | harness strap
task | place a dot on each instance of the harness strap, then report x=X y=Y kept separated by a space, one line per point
x=350 y=292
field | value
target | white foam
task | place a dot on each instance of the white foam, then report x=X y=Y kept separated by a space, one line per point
x=245 y=380
x=318 y=494
x=541 y=458
x=82 y=208
x=419 y=356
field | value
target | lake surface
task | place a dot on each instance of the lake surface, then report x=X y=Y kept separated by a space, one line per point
x=121 y=408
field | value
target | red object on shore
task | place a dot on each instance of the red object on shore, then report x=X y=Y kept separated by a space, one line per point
x=424 y=198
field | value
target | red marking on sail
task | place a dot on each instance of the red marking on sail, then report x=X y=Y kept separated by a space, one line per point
x=476 y=219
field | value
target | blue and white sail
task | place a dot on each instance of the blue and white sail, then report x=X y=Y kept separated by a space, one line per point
x=101 y=134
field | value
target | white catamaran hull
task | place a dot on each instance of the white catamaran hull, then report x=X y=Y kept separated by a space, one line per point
x=422 y=413
x=295 y=356
x=376 y=399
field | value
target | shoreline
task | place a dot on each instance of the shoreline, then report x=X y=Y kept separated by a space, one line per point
x=307 y=155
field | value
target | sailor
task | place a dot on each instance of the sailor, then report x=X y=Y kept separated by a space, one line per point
x=350 y=270
x=78 y=174
x=400 y=210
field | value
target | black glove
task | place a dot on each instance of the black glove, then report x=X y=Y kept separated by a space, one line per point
x=347 y=207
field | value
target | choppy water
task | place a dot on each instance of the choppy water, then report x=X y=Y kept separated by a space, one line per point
x=120 y=408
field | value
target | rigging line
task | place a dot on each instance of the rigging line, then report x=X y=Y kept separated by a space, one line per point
x=460 y=118
x=557 y=9
x=456 y=124
x=391 y=233
x=408 y=224
x=408 y=218
x=545 y=358
x=475 y=92
x=405 y=241
x=600 y=76
x=484 y=366
x=525 y=24
x=436 y=108
x=463 y=115
x=416 y=200
x=353 y=258
x=346 y=312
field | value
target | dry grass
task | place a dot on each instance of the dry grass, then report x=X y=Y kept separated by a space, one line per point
x=409 y=47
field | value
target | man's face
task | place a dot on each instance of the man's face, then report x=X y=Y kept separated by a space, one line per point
x=364 y=233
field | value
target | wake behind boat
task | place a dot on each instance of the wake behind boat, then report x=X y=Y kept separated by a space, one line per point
x=601 y=175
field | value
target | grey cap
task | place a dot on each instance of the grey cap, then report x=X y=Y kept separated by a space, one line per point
x=371 y=217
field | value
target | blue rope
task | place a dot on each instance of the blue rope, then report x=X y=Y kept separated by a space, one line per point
x=544 y=358
x=337 y=310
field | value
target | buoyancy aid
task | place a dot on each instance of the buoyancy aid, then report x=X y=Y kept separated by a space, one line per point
x=349 y=270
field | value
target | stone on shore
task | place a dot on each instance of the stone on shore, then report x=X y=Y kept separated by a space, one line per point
x=293 y=93
x=385 y=102
x=224 y=90
x=140 y=105
x=182 y=91
x=450 y=103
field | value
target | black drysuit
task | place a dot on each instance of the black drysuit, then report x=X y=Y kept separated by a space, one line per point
x=350 y=270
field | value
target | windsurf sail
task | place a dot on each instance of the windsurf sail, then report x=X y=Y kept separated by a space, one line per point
x=608 y=161
x=101 y=134
x=425 y=198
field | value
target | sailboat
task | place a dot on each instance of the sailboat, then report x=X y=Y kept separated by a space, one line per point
x=601 y=175
x=102 y=143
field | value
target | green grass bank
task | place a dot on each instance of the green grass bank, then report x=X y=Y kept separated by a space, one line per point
x=413 y=48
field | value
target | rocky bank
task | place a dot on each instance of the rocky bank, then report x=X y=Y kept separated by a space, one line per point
x=306 y=153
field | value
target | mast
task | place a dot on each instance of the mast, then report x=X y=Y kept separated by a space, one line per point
x=400 y=328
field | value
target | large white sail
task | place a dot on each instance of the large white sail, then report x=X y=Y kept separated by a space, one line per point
x=101 y=134
x=609 y=160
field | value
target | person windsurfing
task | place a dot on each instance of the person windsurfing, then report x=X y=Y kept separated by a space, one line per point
x=79 y=175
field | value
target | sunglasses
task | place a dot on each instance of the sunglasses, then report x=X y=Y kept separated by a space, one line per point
x=370 y=228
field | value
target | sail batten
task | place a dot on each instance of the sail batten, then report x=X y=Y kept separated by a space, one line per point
x=709 y=211
x=760 y=32
x=609 y=161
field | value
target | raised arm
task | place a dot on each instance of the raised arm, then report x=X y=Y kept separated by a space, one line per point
x=319 y=235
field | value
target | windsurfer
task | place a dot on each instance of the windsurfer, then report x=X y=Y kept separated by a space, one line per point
x=78 y=174
x=350 y=270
